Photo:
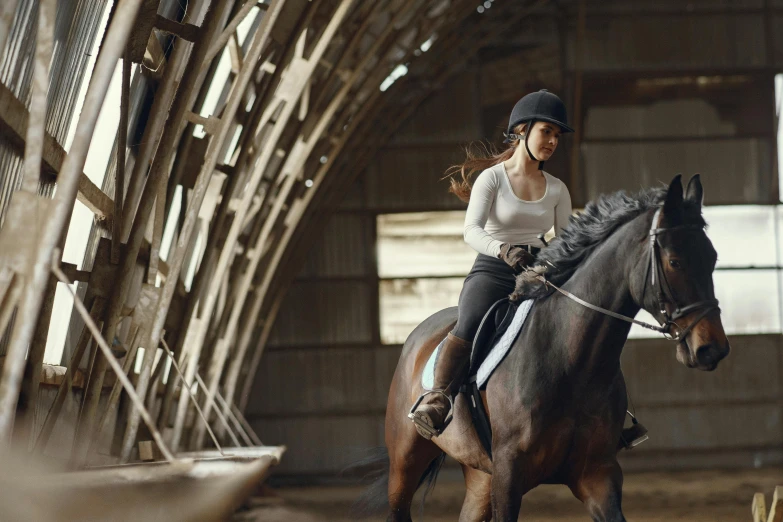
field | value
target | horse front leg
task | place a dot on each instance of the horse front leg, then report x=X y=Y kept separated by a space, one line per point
x=509 y=484
x=601 y=491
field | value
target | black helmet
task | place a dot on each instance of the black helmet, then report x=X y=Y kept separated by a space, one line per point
x=540 y=106
x=537 y=106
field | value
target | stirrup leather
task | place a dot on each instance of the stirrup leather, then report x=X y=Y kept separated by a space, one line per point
x=426 y=427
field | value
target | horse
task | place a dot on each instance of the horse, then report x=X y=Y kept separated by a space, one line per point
x=557 y=402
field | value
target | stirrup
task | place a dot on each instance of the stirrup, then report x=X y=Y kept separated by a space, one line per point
x=433 y=432
x=634 y=435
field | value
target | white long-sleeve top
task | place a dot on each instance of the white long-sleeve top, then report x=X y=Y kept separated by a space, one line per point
x=496 y=215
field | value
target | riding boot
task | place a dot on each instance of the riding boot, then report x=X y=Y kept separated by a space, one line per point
x=451 y=368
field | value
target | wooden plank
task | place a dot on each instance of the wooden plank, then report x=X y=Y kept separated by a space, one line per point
x=145 y=451
x=187 y=32
x=154 y=58
x=776 y=509
x=142 y=29
x=13 y=127
x=36 y=127
x=759 y=508
x=235 y=51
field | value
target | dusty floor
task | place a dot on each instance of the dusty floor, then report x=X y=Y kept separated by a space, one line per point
x=703 y=496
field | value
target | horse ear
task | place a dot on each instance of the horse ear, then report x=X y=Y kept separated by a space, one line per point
x=695 y=193
x=672 y=207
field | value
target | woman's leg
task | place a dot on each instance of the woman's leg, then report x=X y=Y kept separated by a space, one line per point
x=488 y=281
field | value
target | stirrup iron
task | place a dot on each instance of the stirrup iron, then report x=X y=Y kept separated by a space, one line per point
x=426 y=427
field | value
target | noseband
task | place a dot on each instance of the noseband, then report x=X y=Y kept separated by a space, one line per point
x=663 y=290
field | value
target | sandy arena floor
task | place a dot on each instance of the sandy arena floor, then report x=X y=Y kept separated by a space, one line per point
x=703 y=496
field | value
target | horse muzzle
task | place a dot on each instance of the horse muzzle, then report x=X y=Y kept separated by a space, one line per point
x=706 y=357
x=709 y=355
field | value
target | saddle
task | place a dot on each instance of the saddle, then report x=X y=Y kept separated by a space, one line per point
x=494 y=324
x=492 y=327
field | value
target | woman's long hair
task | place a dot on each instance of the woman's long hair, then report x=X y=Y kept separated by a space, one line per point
x=477 y=161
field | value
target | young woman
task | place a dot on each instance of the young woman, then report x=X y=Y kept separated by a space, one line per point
x=511 y=204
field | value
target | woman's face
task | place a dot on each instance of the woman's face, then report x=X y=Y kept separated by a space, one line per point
x=543 y=140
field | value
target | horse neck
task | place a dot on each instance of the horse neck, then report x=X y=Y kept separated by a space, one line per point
x=595 y=341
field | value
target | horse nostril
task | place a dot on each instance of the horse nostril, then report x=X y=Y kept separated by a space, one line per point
x=710 y=354
x=706 y=354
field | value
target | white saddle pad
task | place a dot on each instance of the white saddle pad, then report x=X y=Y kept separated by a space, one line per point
x=495 y=355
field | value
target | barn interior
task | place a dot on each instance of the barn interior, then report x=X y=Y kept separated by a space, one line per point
x=247 y=196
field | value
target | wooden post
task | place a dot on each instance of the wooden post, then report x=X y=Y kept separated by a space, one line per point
x=36 y=127
x=61 y=205
x=115 y=366
x=776 y=509
x=577 y=186
x=759 y=508
x=192 y=395
x=64 y=390
x=122 y=144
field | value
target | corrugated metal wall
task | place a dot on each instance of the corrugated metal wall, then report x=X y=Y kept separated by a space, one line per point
x=321 y=388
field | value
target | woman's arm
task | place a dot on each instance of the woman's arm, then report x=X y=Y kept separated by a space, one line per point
x=482 y=196
x=563 y=209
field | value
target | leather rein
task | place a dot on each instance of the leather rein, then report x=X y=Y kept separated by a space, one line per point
x=663 y=290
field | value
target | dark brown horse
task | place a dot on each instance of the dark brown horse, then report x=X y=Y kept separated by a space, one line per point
x=557 y=402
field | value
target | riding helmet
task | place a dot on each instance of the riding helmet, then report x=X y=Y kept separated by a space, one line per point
x=537 y=106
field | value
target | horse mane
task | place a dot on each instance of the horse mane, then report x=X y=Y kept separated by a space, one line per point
x=586 y=231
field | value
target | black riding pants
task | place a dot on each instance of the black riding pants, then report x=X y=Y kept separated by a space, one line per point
x=489 y=280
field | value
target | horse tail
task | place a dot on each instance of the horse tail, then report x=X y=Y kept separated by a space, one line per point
x=430 y=476
x=375 y=498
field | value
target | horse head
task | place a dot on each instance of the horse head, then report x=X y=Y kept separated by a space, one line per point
x=677 y=286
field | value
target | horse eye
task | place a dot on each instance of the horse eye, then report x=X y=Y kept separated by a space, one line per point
x=675 y=263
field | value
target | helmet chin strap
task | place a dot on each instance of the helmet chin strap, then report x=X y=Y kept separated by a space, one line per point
x=529 y=153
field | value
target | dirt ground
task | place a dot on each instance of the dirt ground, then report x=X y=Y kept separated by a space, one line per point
x=695 y=496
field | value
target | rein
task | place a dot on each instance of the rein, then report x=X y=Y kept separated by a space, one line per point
x=655 y=269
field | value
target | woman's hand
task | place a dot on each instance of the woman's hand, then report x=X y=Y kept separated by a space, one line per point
x=515 y=256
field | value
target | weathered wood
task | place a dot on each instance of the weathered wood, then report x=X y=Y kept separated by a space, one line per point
x=122 y=144
x=109 y=356
x=69 y=379
x=73 y=273
x=192 y=394
x=145 y=451
x=759 y=508
x=14 y=120
x=235 y=53
x=157 y=235
x=145 y=21
x=296 y=158
x=292 y=84
x=37 y=116
x=154 y=58
x=202 y=489
x=114 y=396
x=182 y=106
x=220 y=42
x=776 y=508
x=185 y=31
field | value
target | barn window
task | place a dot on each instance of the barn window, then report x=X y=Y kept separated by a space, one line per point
x=422 y=261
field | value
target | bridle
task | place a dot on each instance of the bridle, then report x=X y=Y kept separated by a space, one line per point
x=664 y=294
